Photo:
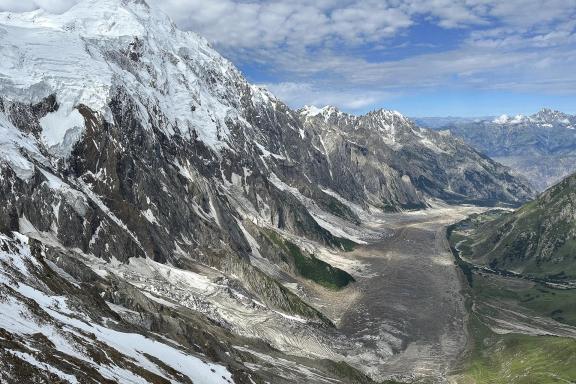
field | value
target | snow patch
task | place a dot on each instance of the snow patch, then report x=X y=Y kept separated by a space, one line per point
x=61 y=129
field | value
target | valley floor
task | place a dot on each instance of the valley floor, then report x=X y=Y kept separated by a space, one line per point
x=407 y=318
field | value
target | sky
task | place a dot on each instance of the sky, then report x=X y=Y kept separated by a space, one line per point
x=421 y=57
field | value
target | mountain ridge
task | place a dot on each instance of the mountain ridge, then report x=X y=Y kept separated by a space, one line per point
x=542 y=146
x=536 y=240
x=409 y=151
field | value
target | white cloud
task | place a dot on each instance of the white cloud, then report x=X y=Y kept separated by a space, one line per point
x=240 y=24
x=352 y=100
x=56 y=6
x=321 y=51
x=312 y=46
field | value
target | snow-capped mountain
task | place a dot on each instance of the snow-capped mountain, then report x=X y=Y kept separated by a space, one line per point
x=545 y=118
x=541 y=146
x=149 y=193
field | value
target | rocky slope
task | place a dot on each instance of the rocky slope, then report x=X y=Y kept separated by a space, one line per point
x=149 y=192
x=541 y=147
x=537 y=240
x=398 y=163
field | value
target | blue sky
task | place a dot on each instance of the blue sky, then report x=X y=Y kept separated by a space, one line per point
x=421 y=57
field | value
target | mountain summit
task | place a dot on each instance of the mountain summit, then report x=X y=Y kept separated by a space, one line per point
x=399 y=163
x=111 y=46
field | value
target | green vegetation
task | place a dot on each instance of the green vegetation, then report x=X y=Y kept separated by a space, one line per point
x=345 y=371
x=511 y=358
x=274 y=293
x=345 y=244
x=317 y=270
x=537 y=240
x=518 y=359
x=338 y=209
x=558 y=304
x=309 y=266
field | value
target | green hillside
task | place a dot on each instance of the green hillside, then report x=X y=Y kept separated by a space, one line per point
x=538 y=240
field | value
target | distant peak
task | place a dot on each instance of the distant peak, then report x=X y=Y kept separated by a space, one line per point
x=329 y=110
x=549 y=114
x=546 y=117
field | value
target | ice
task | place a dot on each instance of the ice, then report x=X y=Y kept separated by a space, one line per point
x=56 y=126
x=168 y=69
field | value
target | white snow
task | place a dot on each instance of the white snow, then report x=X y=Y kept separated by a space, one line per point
x=311 y=110
x=96 y=199
x=335 y=230
x=13 y=144
x=84 y=55
x=326 y=111
x=57 y=125
x=75 y=198
x=149 y=215
x=15 y=317
x=43 y=366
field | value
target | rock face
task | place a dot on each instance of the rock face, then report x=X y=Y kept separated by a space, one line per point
x=136 y=162
x=538 y=240
x=542 y=147
x=398 y=164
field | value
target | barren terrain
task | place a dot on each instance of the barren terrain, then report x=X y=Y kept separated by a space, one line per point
x=405 y=316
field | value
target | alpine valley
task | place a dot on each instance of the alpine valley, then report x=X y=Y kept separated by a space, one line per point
x=162 y=220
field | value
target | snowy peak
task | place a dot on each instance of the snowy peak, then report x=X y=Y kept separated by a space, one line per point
x=545 y=118
x=92 y=18
x=549 y=116
x=313 y=111
x=328 y=110
x=386 y=115
x=387 y=124
x=107 y=47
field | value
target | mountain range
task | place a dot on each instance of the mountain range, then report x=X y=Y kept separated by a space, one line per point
x=159 y=214
x=541 y=147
